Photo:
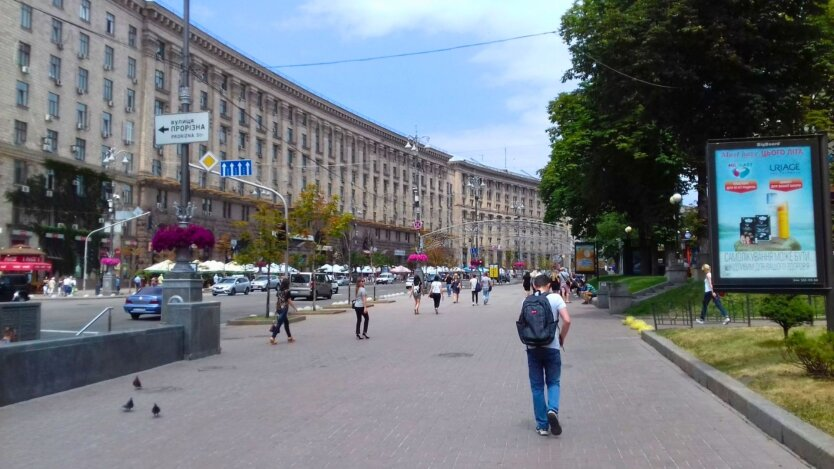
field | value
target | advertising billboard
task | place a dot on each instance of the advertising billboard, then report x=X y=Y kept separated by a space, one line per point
x=586 y=258
x=767 y=223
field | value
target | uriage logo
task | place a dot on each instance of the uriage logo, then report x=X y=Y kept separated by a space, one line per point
x=784 y=167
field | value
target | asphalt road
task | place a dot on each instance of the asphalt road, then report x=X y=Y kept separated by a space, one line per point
x=61 y=317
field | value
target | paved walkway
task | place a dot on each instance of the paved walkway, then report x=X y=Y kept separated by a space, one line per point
x=425 y=391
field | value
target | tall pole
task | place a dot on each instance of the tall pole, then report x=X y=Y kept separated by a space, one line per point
x=183 y=214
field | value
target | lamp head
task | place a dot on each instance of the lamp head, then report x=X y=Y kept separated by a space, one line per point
x=675 y=198
x=628 y=230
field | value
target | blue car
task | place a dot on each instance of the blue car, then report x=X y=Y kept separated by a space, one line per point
x=148 y=300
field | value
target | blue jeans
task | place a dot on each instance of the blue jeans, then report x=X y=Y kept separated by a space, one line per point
x=707 y=297
x=448 y=289
x=485 y=291
x=282 y=321
x=545 y=365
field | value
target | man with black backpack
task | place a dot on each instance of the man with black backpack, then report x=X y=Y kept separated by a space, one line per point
x=544 y=318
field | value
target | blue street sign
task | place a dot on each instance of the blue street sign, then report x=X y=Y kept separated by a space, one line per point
x=473 y=251
x=236 y=168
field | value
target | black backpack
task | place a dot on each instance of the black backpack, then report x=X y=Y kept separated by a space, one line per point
x=536 y=324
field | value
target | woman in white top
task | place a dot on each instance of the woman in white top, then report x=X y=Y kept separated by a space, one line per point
x=436 y=291
x=709 y=294
x=360 y=306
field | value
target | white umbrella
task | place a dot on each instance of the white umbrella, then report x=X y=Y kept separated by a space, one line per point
x=163 y=266
x=367 y=270
x=233 y=267
x=325 y=268
x=401 y=270
x=281 y=268
x=211 y=266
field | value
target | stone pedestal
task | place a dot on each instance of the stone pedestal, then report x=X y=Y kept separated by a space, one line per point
x=201 y=322
x=107 y=286
x=619 y=298
x=676 y=273
x=602 y=295
x=24 y=317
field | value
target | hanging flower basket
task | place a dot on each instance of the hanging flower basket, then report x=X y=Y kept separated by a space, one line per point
x=476 y=262
x=173 y=237
x=110 y=261
x=418 y=257
x=519 y=265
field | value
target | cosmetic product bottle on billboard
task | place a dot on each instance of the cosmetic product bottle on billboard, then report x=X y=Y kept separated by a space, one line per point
x=772 y=204
x=783 y=220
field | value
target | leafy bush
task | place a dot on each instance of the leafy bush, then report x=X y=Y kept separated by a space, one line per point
x=787 y=311
x=816 y=356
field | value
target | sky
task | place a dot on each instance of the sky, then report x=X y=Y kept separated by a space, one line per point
x=485 y=103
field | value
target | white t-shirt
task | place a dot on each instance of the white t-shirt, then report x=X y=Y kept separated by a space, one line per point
x=556 y=303
x=436 y=286
x=360 y=296
x=472 y=282
x=485 y=283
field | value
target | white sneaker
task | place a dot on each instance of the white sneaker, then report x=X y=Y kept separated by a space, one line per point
x=699 y=321
x=542 y=431
x=726 y=320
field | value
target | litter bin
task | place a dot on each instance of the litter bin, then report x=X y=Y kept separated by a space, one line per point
x=602 y=295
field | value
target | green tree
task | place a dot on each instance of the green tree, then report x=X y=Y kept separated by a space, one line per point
x=787 y=310
x=695 y=70
x=264 y=239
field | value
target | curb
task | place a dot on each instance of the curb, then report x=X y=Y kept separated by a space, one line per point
x=261 y=321
x=808 y=442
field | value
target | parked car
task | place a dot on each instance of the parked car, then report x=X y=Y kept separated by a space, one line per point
x=147 y=300
x=301 y=285
x=260 y=282
x=386 y=278
x=14 y=287
x=409 y=282
x=231 y=286
x=343 y=280
x=334 y=284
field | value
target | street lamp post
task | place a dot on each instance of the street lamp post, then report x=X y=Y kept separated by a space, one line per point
x=413 y=145
x=476 y=185
x=675 y=200
x=518 y=209
x=623 y=257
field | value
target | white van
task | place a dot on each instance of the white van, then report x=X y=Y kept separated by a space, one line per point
x=385 y=277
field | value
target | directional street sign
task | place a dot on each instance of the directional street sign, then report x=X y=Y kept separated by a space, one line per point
x=181 y=128
x=236 y=168
x=208 y=161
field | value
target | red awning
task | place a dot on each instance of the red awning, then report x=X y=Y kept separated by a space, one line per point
x=25 y=266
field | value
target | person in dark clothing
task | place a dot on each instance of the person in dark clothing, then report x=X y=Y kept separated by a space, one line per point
x=283 y=301
x=525 y=282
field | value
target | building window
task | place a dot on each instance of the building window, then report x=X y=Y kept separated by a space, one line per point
x=81 y=116
x=53 y=105
x=241 y=117
x=224 y=82
x=106 y=124
x=83 y=81
x=127 y=132
x=131 y=36
x=105 y=152
x=22 y=94
x=51 y=142
x=25 y=17
x=54 y=68
x=84 y=12
x=21 y=172
x=159 y=80
x=160 y=50
x=158 y=107
x=156 y=167
x=58 y=4
x=259 y=148
x=241 y=140
x=289 y=135
x=108 y=90
x=24 y=53
x=83 y=46
x=19 y=132
x=224 y=108
x=108 y=58
x=222 y=135
x=131 y=68
x=80 y=149
x=203 y=100
x=57 y=36
x=110 y=24
x=130 y=100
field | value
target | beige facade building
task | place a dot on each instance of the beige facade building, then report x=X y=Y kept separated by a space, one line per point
x=83 y=81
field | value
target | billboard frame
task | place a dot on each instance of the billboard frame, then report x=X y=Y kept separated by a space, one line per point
x=821 y=216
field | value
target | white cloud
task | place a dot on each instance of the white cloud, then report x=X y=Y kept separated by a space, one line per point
x=524 y=74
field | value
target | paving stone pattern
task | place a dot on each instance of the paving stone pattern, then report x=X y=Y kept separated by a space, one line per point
x=446 y=391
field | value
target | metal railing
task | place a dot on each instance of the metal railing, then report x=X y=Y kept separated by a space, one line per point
x=107 y=310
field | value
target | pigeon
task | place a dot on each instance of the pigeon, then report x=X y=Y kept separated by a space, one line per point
x=129 y=406
x=136 y=383
x=155 y=410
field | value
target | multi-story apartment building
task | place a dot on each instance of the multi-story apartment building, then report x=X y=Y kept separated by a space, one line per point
x=83 y=82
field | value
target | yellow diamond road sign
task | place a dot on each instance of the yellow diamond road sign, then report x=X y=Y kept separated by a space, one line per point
x=209 y=161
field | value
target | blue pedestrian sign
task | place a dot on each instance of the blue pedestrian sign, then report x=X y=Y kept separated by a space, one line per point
x=473 y=252
x=235 y=168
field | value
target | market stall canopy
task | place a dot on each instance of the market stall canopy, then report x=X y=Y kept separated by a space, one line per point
x=22 y=258
x=401 y=270
x=211 y=266
x=163 y=266
x=234 y=267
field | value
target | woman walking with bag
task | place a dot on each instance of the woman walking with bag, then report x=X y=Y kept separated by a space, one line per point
x=436 y=290
x=360 y=306
x=283 y=301
x=456 y=288
x=415 y=292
